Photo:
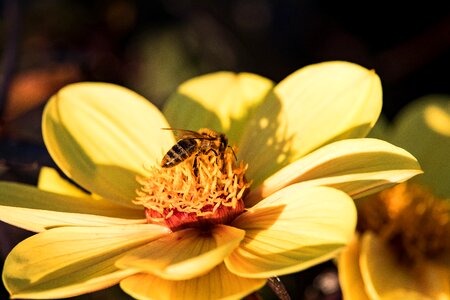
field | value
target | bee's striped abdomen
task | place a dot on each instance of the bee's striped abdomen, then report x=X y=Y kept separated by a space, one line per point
x=179 y=153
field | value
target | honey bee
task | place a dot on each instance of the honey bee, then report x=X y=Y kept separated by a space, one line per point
x=191 y=143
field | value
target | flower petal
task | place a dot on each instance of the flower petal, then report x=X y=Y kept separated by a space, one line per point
x=49 y=180
x=217 y=284
x=356 y=166
x=184 y=254
x=291 y=230
x=424 y=129
x=386 y=278
x=68 y=261
x=101 y=135
x=314 y=106
x=82 y=284
x=350 y=278
x=36 y=210
x=221 y=101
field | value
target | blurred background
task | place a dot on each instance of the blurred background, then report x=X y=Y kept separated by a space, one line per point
x=152 y=46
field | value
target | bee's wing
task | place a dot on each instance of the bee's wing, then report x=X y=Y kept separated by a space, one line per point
x=182 y=134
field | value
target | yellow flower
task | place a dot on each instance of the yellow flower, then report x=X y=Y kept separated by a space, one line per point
x=299 y=144
x=403 y=247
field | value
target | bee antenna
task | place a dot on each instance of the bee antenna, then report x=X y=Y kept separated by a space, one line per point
x=234 y=154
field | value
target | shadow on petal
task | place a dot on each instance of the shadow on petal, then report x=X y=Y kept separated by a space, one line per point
x=262 y=139
x=222 y=101
x=247 y=263
x=270 y=142
x=266 y=143
x=194 y=115
x=111 y=182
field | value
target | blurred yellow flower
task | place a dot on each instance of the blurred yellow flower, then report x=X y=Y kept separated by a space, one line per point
x=402 y=250
x=300 y=146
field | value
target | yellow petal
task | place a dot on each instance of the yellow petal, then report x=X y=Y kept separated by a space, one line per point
x=101 y=135
x=81 y=285
x=217 y=284
x=221 y=101
x=291 y=230
x=33 y=209
x=314 y=106
x=67 y=261
x=184 y=254
x=386 y=278
x=40 y=220
x=423 y=128
x=350 y=278
x=356 y=166
x=49 y=180
x=113 y=293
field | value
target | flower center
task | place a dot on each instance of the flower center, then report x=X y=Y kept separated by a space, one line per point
x=410 y=219
x=181 y=197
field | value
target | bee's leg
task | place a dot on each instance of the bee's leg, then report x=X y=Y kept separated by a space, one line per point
x=212 y=150
x=194 y=166
x=215 y=153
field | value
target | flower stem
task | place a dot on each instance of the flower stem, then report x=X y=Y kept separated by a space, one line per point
x=278 y=288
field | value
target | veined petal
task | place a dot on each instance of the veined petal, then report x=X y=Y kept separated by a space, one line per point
x=423 y=128
x=81 y=285
x=386 y=278
x=39 y=220
x=101 y=135
x=221 y=101
x=36 y=210
x=217 y=284
x=68 y=261
x=358 y=167
x=291 y=230
x=314 y=106
x=184 y=254
x=350 y=278
x=49 y=180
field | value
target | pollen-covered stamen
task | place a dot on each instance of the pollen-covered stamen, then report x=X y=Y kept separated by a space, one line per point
x=178 y=197
x=410 y=219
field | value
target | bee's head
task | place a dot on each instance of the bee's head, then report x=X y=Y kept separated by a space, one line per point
x=223 y=142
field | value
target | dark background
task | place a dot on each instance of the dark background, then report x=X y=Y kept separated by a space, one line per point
x=152 y=46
